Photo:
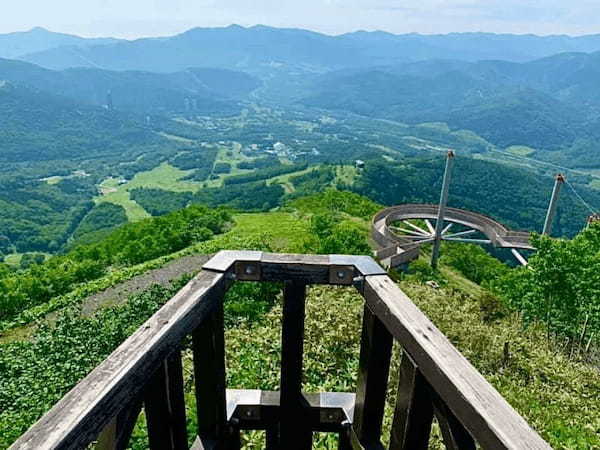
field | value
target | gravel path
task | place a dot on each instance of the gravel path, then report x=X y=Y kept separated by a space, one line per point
x=164 y=275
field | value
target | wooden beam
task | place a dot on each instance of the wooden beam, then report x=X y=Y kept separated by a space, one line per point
x=77 y=419
x=293 y=430
x=374 y=365
x=209 y=376
x=413 y=413
x=476 y=404
x=455 y=435
x=164 y=403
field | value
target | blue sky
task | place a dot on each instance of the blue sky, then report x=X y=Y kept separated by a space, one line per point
x=136 y=18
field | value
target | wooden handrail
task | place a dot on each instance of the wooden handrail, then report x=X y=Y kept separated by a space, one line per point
x=436 y=380
x=77 y=419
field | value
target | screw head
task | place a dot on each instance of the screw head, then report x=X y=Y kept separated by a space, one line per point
x=341 y=274
x=250 y=270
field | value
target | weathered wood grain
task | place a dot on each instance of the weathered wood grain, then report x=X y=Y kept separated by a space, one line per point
x=164 y=404
x=293 y=429
x=77 y=419
x=476 y=404
x=413 y=412
x=209 y=376
x=373 y=371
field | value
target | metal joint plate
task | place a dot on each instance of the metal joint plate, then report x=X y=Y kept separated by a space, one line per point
x=247 y=271
x=341 y=274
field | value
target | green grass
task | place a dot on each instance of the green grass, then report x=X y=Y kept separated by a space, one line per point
x=286 y=231
x=285 y=180
x=14 y=259
x=230 y=155
x=346 y=174
x=53 y=180
x=557 y=396
x=520 y=150
x=164 y=177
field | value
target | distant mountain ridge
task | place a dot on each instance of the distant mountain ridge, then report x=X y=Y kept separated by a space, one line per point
x=252 y=48
x=548 y=104
x=14 y=45
x=205 y=91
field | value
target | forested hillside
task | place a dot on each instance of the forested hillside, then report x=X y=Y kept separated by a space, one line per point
x=515 y=197
x=193 y=91
x=550 y=105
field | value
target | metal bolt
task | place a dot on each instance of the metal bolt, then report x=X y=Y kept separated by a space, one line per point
x=250 y=270
x=248 y=413
x=341 y=275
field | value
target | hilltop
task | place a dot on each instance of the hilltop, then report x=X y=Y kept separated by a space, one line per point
x=477 y=321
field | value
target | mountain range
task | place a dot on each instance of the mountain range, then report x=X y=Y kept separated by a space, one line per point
x=256 y=47
x=14 y=45
x=201 y=90
x=546 y=104
x=513 y=90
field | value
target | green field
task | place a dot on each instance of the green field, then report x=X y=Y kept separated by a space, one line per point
x=520 y=150
x=164 y=177
x=232 y=156
x=14 y=259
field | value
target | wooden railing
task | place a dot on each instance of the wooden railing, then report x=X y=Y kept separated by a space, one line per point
x=146 y=372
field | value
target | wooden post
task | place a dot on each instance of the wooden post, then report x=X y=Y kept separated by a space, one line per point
x=456 y=437
x=413 y=413
x=374 y=366
x=165 y=406
x=294 y=432
x=209 y=376
x=117 y=432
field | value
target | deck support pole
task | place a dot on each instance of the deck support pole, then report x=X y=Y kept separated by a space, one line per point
x=439 y=226
x=558 y=183
x=293 y=429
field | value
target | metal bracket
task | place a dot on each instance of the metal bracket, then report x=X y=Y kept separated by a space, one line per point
x=247 y=270
x=341 y=274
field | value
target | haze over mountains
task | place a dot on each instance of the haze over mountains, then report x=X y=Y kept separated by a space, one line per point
x=536 y=91
x=14 y=45
x=238 y=47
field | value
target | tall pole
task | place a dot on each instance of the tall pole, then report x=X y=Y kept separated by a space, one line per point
x=560 y=180
x=439 y=226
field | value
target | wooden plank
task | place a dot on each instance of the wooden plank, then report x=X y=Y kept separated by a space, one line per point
x=209 y=376
x=107 y=440
x=164 y=403
x=224 y=260
x=476 y=404
x=293 y=430
x=77 y=419
x=365 y=265
x=117 y=433
x=413 y=412
x=374 y=365
x=308 y=269
x=456 y=437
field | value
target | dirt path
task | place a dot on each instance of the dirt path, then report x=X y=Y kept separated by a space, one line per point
x=120 y=293
x=163 y=275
